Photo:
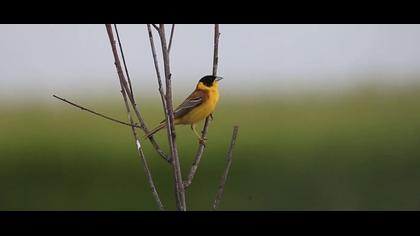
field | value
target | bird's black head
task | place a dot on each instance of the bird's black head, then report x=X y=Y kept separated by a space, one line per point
x=209 y=79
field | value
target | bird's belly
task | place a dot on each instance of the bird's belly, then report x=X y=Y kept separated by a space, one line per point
x=198 y=114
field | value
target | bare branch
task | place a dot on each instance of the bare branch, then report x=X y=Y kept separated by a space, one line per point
x=156 y=27
x=124 y=94
x=171 y=37
x=201 y=145
x=134 y=104
x=216 y=49
x=198 y=155
x=142 y=156
x=132 y=100
x=96 y=113
x=227 y=168
x=178 y=184
x=146 y=131
x=123 y=58
x=155 y=60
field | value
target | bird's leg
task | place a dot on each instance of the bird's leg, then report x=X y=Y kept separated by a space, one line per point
x=211 y=116
x=202 y=140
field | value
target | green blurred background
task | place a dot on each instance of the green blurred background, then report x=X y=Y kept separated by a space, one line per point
x=358 y=150
x=329 y=117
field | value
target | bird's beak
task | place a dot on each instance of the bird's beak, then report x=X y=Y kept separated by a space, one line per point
x=218 y=78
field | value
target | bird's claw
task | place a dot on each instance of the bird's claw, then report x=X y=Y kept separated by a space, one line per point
x=211 y=117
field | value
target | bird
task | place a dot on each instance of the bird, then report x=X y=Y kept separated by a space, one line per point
x=200 y=104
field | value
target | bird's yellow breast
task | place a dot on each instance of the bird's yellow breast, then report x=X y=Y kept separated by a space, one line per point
x=202 y=111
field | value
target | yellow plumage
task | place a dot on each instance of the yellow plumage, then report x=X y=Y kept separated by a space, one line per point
x=200 y=104
x=203 y=110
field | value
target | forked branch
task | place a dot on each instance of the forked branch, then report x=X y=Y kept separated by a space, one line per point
x=125 y=92
x=169 y=116
x=204 y=132
x=132 y=99
x=155 y=61
x=166 y=98
x=141 y=154
x=123 y=58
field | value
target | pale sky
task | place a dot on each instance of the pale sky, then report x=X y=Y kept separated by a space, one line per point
x=38 y=60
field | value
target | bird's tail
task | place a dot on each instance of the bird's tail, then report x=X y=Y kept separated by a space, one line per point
x=155 y=130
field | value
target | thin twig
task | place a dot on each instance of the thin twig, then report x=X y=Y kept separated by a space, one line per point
x=96 y=113
x=142 y=156
x=134 y=104
x=216 y=49
x=201 y=145
x=198 y=155
x=171 y=37
x=178 y=184
x=123 y=58
x=146 y=131
x=155 y=60
x=156 y=27
x=132 y=100
x=124 y=92
x=227 y=168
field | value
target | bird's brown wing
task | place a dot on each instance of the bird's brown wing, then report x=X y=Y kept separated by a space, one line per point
x=195 y=99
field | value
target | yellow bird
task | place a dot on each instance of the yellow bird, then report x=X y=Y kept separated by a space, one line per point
x=196 y=107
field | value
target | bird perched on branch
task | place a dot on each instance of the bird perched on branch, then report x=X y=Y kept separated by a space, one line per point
x=196 y=107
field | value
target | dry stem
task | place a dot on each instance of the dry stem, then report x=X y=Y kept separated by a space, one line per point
x=171 y=37
x=133 y=102
x=124 y=92
x=201 y=145
x=178 y=184
x=227 y=168
x=96 y=113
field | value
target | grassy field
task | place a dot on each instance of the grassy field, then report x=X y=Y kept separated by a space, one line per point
x=354 y=151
